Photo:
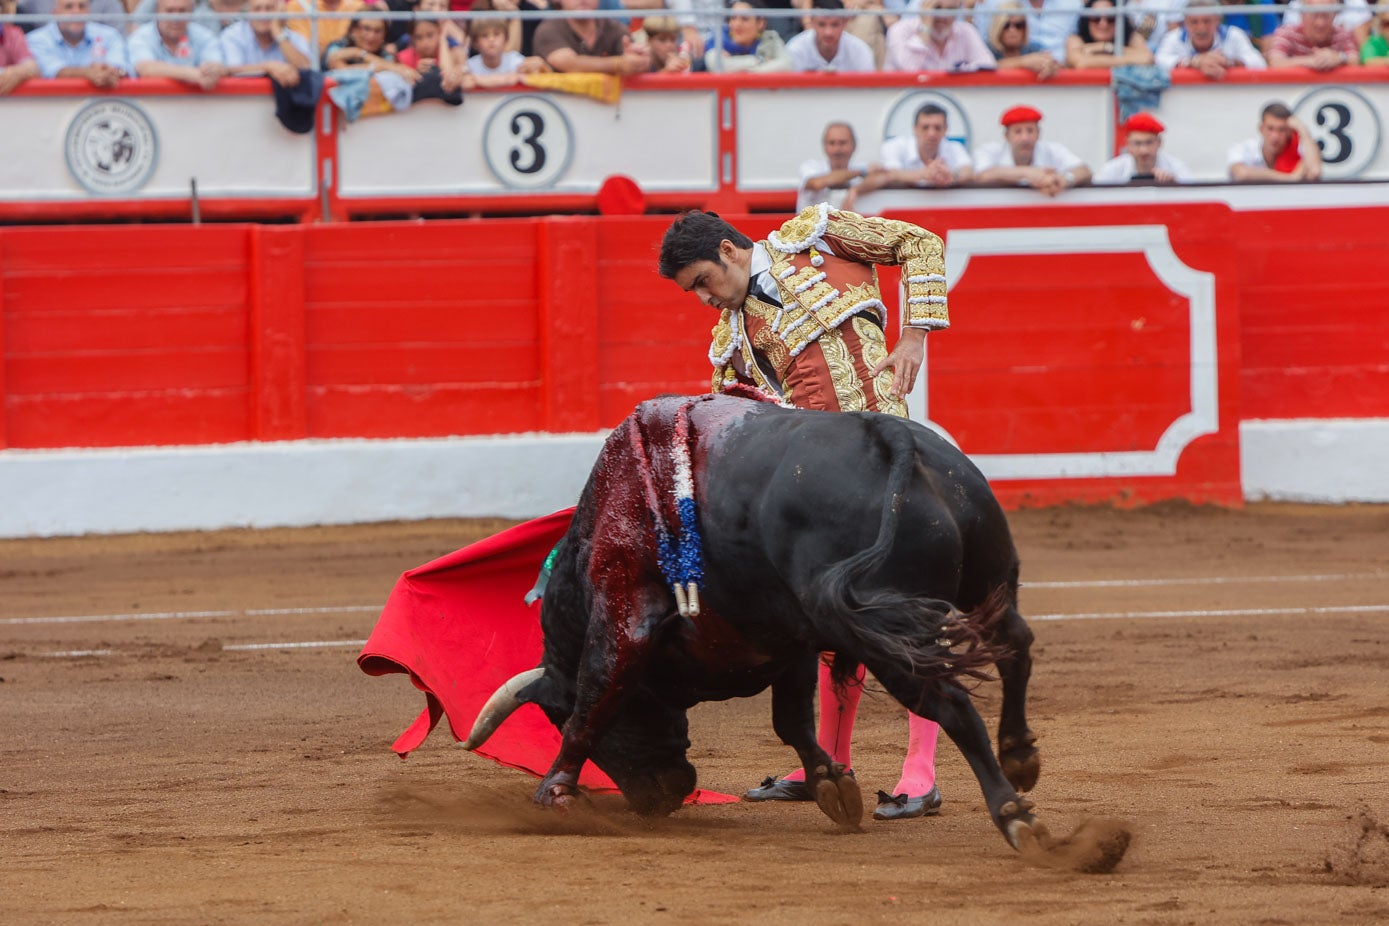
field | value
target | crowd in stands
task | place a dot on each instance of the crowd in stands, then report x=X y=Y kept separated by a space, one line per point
x=444 y=49
x=677 y=36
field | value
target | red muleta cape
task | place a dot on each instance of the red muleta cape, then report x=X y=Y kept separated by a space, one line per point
x=459 y=627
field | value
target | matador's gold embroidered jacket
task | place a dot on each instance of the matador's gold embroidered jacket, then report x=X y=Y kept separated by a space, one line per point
x=819 y=345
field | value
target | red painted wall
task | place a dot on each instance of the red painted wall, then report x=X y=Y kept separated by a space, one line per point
x=156 y=335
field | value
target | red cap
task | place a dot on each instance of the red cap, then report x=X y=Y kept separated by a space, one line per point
x=1143 y=122
x=620 y=195
x=1020 y=114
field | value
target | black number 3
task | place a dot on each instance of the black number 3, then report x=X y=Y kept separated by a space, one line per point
x=1340 y=113
x=531 y=141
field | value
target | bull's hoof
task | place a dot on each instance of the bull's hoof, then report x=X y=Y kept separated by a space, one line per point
x=838 y=796
x=562 y=796
x=1020 y=760
x=1095 y=847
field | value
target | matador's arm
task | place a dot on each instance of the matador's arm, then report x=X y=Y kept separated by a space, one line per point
x=920 y=253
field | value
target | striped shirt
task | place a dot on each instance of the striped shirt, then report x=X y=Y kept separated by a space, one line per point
x=1292 y=42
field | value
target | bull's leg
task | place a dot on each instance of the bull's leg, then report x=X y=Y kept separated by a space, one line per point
x=956 y=714
x=793 y=718
x=1017 y=752
x=616 y=649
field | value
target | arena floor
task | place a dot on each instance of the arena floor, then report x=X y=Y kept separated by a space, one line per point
x=1219 y=679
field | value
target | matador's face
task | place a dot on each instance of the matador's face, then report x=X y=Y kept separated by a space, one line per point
x=721 y=284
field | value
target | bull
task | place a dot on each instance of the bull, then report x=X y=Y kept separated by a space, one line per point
x=800 y=533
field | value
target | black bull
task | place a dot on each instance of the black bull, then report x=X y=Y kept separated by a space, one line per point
x=859 y=534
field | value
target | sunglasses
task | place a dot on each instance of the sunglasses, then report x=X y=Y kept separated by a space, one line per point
x=1018 y=24
x=1103 y=19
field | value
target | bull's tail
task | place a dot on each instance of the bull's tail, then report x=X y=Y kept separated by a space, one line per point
x=871 y=624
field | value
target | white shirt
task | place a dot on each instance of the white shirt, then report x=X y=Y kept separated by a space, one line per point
x=816 y=167
x=1046 y=154
x=1121 y=169
x=901 y=153
x=1346 y=19
x=511 y=60
x=1176 y=50
x=1249 y=152
x=853 y=54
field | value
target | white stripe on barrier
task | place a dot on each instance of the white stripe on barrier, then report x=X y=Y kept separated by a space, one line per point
x=188 y=615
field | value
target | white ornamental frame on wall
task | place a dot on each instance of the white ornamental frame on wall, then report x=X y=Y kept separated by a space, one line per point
x=1198 y=286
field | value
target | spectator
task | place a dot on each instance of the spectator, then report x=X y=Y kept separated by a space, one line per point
x=936 y=41
x=746 y=45
x=1207 y=45
x=1093 y=44
x=1024 y=159
x=17 y=63
x=1356 y=17
x=830 y=178
x=253 y=47
x=1258 y=25
x=825 y=47
x=105 y=12
x=1316 y=42
x=454 y=35
x=329 y=30
x=870 y=26
x=82 y=49
x=1046 y=21
x=1013 y=47
x=177 y=48
x=1375 y=49
x=926 y=158
x=215 y=15
x=1284 y=152
x=661 y=36
x=698 y=22
x=495 y=65
x=589 y=45
x=1143 y=158
x=1152 y=19
x=429 y=52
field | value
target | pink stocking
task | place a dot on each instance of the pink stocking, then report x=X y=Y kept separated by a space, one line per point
x=837 y=712
x=919 y=769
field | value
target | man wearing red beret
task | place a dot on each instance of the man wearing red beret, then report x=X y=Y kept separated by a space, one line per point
x=1143 y=159
x=1022 y=158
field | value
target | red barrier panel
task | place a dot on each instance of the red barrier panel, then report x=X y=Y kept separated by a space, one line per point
x=1079 y=341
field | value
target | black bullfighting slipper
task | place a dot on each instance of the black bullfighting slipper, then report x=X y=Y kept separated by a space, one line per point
x=902 y=807
x=779 y=789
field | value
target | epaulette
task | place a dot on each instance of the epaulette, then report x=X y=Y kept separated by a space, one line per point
x=803 y=233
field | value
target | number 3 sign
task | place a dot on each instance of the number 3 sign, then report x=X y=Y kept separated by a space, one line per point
x=1345 y=126
x=528 y=143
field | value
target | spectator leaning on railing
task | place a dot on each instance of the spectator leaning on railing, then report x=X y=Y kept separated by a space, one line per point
x=1355 y=17
x=825 y=46
x=1210 y=47
x=79 y=49
x=1316 y=42
x=1143 y=161
x=1095 y=41
x=1046 y=22
x=1023 y=158
x=1013 y=47
x=829 y=179
x=210 y=14
x=255 y=47
x=177 y=49
x=16 y=61
x=746 y=44
x=1375 y=49
x=589 y=45
x=1283 y=152
x=936 y=41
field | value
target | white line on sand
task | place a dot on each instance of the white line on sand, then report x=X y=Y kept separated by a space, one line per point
x=187 y=615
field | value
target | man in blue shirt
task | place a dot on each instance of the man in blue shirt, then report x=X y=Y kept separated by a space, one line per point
x=177 y=49
x=253 y=47
x=79 y=48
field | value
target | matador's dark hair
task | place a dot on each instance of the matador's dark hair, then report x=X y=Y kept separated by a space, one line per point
x=695 y=236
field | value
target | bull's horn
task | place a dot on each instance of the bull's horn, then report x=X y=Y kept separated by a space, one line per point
x=500 y=706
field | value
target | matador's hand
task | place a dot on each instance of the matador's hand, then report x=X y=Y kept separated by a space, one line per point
x=905 y=360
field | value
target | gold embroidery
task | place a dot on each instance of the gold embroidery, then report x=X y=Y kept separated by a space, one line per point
x=842 y=373
x=874 y=353
x=764 y=338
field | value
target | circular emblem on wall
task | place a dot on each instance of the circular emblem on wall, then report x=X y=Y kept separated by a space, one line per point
x=528 y=143
x=901 y=116
x=1346 y=127
x=111 y=147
